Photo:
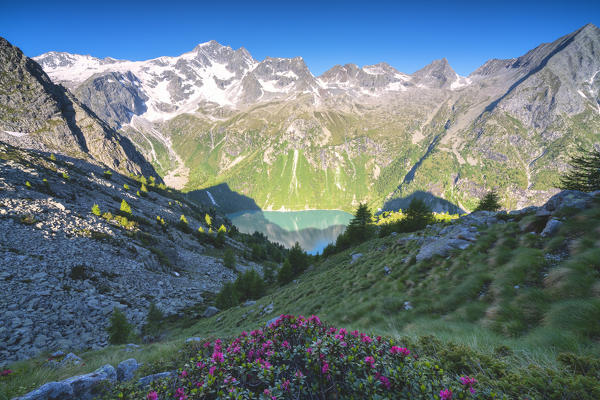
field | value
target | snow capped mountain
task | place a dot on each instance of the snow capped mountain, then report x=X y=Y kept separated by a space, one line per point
x=164 y=87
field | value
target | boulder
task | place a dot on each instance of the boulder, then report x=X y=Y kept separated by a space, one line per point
x=81 y=387
x=70 y=359
x=147 y=380
x=568 y=198
x=551 y=227
x=355 y=257
x=441 y=247
x=89 y=386
x=50 y=391
x=126 y=369
x=210 y=311
x=193 y=339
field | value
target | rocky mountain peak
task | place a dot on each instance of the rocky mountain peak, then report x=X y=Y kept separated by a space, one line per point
x=48 y=117
x=438 y=74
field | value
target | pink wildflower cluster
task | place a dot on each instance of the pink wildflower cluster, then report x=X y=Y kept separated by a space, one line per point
x=400 y=350
x=468 y=382
x=5 y=372
x=298 y=357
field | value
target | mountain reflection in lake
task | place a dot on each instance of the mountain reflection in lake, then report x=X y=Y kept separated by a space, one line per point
x=313 y=229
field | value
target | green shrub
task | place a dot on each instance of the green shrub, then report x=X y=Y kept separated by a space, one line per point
x=78 y=273
x=119 y=329
x=65 y=176
x=229 y=259
x=52 y=157
x=125 y=186
x=28 y=185
x=125 y=208
x=96 y=210
x=220 y=239
x=107 y=174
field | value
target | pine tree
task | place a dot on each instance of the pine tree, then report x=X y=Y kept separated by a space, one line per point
x=208 y=220
x=153 y=319
x=96 y=210
x=227 y=297
x=489 y=202
x=119 y=329
x=229 y=259
x=359 y=229
x=285 y=273
x=584 y=174
x=298 y=259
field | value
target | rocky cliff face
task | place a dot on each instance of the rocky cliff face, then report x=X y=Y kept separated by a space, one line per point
x=34 y=112
x=356 y=133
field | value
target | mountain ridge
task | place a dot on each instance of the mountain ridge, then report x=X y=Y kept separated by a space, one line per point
x=355 y=131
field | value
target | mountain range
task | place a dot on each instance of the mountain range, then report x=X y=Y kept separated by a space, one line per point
x=278 y=134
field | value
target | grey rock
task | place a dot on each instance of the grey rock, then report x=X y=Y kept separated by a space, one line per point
x=249 y=303
x=355 y=257
x=126 y=369
x=441 y=247
x=70 y=359
x=210 y=311
x=552 y=226
x=567 y=198
x=271 y=321
x=193 y=339
x=89 y=386
x=50 y=391
x=147 y=380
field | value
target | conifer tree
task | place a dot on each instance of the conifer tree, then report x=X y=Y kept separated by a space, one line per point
x=227 y=297
x=285 y=273
x=584 y=174
x=153 y=319
x=298 y=259
x=119 y=329
x=489 y=202
x=229 y=259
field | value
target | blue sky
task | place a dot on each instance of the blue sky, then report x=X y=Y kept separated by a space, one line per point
x=407 y=35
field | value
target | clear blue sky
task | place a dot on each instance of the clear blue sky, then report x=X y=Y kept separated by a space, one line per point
x=407 y=35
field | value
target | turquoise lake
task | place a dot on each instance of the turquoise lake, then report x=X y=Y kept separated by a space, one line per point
x=313 y=229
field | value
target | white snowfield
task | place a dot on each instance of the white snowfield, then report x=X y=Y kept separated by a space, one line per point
x=177 y=85
x=17 y=134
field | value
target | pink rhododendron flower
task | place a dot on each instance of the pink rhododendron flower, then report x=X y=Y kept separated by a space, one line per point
x=152 y=395
x=325 y=368
x=184 y=373
x=212 y=370
x=400 y=350
x=370 y=360
x=286 y=384
x=218 y=357
x=445 y=394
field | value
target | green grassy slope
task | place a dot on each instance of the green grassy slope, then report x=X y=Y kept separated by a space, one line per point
x=517 y=311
